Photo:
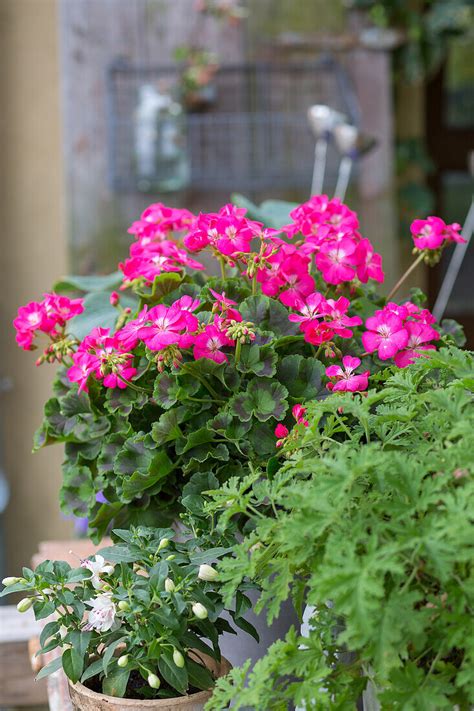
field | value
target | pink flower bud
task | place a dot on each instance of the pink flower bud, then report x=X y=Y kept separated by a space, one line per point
x=281 y=431
x=114 y=298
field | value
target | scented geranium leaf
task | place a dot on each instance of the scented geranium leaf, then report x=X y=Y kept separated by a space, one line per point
x=167 y=428
x=159 y=468
x=107 y=283
x=194 y=439
x=263 y=399
x=78 y=451
x=409 y=688
x=258 y=360
x=74 y=403
x=267 y=314
x=124 y=401
x=302 y=376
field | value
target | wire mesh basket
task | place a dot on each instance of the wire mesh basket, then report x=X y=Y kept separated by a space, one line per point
x=254 y=135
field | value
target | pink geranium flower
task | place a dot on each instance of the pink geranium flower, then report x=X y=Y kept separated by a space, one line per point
x=335 y=314
x=310 y=310
x=128 y=335
x=45 y=316
x=429 y=233
x=166 y=328
x=208 y=344
x=419 y=336
x=386 y=334
x=337 y=260
x=345 y=378
x=298 y=282
x=369 y=263
x=84 y=366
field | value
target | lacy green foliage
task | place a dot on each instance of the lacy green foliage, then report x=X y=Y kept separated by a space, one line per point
x=148 y=586
x=380 y=524
x=140 y=447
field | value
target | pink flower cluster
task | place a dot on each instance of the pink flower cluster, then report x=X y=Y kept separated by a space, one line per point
x=434 y=233
x=321 y=320
x=345 y=379
x=153 y=252
x=228 y=231
x=161 y=329
x=101 y=355
x=400 y=332
x=331 y=233
x=47 y=316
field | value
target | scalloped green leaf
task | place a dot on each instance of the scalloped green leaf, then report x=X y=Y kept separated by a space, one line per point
x=268 y=315
x=263 y=399
x=302 y=376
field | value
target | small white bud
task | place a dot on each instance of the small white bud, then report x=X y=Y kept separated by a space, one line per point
x=123 y=606
x=178 y=658
x=122 y=661
x=164 y=543
x=199 y=610
x=10 y=581
x=169 y=585
x=153 y=681
x=207 y=572
x=24 y=604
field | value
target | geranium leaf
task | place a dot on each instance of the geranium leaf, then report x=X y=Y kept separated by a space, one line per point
x=302 y=376
x=263 y=399
x=268 y=315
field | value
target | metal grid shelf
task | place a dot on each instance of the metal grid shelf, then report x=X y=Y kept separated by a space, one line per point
x=256 y=135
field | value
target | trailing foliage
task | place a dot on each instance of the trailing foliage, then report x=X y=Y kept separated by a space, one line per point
x=378 y=536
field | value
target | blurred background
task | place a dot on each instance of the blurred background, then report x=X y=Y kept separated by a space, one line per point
x=109 y=105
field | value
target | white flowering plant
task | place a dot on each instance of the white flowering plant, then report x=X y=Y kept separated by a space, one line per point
x=136 y=619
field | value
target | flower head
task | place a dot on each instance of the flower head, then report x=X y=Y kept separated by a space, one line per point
x=386 y=334
x=102 y=613
x=98 y=567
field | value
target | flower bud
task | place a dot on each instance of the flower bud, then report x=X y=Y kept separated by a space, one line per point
x=24 y=604
x=178 y=658
x=199 y=610
x=153 y=681
x=207 y=572
x=164 y=543
x=171 y=556
x=123 y=606
x=169 y=585
x=114 y=298
x=122 y=661
x=10 y=581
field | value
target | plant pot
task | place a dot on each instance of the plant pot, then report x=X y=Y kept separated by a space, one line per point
x=238 y=648
x=83 y=699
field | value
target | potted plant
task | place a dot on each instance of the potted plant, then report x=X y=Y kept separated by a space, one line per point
x=138 y=624
x=171 y=383
x=197 y=89
x=376 y=539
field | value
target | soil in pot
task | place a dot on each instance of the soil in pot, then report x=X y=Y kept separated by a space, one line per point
x=137 y=688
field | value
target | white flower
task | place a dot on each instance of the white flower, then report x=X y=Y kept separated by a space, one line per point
x=207 y=572
x=97 y=567
x=169 y=585
x=102 y=615
x=199 y=610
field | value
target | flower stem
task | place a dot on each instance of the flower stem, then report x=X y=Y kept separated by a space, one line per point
x=133 y=386
x=254 y=284
x=222 y=263
x=405 y=276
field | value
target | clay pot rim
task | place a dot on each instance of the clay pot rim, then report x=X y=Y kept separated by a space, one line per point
x=224 y=668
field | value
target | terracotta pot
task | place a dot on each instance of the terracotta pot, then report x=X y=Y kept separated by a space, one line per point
x=83 y=699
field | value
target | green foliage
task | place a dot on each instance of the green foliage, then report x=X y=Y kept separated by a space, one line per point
x=381 y=525
x=149 y=586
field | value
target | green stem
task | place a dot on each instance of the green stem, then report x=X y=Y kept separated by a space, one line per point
x=405 y=276
x=222 y=263
x=203 y=382
x=238 y=348
x=133 y=386
x=254 y=284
